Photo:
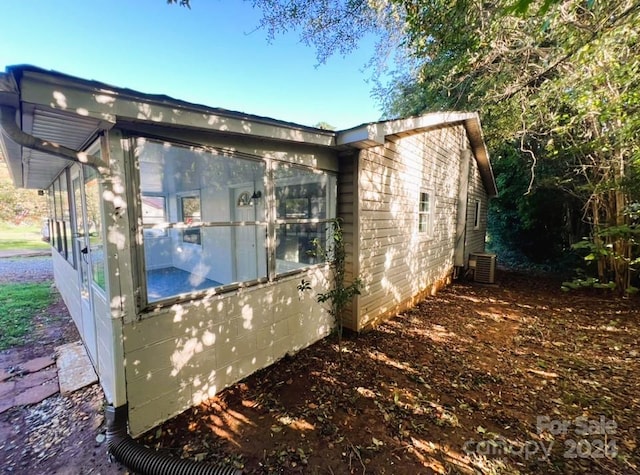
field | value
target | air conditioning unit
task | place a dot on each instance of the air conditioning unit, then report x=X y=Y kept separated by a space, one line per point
x=484 y=267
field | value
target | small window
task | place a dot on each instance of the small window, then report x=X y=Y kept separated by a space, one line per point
x=476 y=216
x=190 y=214
x=154 y=213
x=424 y=213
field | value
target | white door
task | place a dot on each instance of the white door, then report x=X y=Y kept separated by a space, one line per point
x=83 y=252
x=245 y=237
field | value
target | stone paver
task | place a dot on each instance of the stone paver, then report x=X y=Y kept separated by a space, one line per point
x=4 y=375
x=37 y=379
x=37 y=393
x=29 y=388
x=37 y=364
x=74 y=367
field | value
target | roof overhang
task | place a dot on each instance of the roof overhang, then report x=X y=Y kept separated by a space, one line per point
x=375 y=134
x=71 y=112
x=59 y=116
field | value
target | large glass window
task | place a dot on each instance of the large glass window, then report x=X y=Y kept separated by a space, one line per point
x=214 y=216
x=190 y=211
x=305 y=202
x=66 y=218
x=60 y=222
x=216 y=211
x=94 y=225
x=154 y=213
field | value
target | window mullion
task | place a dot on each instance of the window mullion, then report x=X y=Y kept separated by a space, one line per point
x=270 y=216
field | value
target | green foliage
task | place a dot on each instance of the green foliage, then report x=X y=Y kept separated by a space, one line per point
x=19 y=206
x=340 y=294
x=324 y=126
x=19 y=303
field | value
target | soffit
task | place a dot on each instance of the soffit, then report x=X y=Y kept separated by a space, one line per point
x=59 y=127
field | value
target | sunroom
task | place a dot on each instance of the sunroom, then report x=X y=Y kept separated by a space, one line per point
x=213 y=220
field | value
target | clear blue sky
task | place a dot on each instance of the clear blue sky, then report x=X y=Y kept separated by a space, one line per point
x=209 y=55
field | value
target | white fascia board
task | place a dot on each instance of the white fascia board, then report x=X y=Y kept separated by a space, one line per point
x=363 y=136
x=481 y=154
x=110 y=105
x=368 y=135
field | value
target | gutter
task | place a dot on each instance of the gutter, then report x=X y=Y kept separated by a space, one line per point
x=17 y=135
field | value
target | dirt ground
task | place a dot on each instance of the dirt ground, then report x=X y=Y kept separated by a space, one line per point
x=61 y=434
x=513 y=378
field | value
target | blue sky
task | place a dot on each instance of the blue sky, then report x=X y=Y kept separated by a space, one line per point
x=211 y=55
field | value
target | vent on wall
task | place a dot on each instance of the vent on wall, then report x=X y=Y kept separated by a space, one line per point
x=484 y=266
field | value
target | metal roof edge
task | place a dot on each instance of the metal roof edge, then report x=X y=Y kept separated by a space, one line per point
x=19 y=72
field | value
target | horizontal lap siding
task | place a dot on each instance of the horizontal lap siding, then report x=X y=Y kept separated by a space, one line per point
x=347 y=198
x=398 y=264
x=185 y=354
x=475 y=238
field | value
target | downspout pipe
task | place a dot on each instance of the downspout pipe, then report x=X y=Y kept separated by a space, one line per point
x=16 y=134
x=144 y=461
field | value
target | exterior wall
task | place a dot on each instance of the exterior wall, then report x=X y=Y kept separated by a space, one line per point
x=475 y=236
x=68 y=284
x=348 y=213
x=398 y=265
x=179 y=354
x=182 y=355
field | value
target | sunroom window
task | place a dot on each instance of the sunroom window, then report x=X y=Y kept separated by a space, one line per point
x=190 y=214
x=154 y=213
x=211 y=240
x=218 y=211
x=305 y=203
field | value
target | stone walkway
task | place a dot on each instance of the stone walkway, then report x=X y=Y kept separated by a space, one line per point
x=33 y=381
x=27 y=383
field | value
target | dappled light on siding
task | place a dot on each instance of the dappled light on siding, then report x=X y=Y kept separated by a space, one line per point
x=192 y=350
x=60 y=100
x=399 y=261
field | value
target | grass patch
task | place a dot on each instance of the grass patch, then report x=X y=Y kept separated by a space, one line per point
x=19 y=303
x=21 y=237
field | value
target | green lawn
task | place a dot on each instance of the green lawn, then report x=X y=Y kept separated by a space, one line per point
x=19 y=303
x=21 y=237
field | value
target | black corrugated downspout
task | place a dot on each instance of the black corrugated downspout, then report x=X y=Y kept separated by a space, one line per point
x=144 y=461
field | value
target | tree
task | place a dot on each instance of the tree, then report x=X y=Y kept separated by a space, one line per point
x=555 y=82
x=18 y=206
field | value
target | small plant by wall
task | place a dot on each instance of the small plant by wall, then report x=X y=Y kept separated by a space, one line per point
x=340 y=294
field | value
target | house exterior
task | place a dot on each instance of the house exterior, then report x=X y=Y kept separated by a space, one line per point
x=179 y=232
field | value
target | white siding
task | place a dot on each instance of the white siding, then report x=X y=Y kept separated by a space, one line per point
x=397 y=263
x=68 y=284
x=180 y=356
x=348 y=212
x=475 y=237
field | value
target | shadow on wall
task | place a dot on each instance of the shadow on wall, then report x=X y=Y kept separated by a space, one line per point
x=397 y=260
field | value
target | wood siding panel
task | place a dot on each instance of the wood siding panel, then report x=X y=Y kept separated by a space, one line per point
x=397 y=262
x=347 y=211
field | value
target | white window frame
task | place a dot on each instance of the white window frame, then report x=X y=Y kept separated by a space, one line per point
x=194 y=226
x=477 y=213
x=153 y=230
x=425 y=217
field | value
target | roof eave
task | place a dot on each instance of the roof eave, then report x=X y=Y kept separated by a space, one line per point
x=111 y=104
x=374 y=134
